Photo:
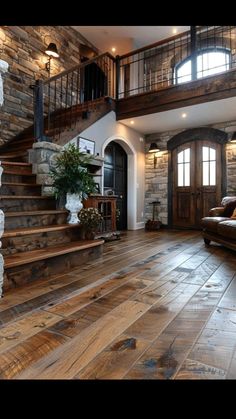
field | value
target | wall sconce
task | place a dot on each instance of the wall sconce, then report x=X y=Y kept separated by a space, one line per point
x=233 y=138
x=154 y=149
x=52 y=52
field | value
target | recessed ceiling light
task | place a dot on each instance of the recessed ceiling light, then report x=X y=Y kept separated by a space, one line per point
x=174 y=30
x=132 y=122
x=184 y=115
x=113 y=49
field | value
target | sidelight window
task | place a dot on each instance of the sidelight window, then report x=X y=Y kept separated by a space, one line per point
x=183 y=163
x=208 y=166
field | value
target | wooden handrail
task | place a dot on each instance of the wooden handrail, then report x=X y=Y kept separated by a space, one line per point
x=156 y=44
x=78 y=66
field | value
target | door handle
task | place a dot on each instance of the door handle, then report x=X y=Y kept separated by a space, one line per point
x=121 y=196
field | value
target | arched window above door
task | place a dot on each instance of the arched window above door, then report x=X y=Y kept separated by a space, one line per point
x=209 y=62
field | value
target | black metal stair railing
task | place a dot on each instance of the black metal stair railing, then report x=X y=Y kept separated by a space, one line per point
x=56 y=100
x=155 y=66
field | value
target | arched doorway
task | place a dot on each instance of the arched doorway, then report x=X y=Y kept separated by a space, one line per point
x=115 y=179
x=197 y=174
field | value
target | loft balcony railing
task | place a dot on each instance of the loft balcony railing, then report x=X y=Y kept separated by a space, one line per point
x=58 y=99
x=157 y=66
x=179 y=59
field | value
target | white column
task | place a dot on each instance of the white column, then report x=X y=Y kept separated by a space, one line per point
x=1 y=233
x=3 y=68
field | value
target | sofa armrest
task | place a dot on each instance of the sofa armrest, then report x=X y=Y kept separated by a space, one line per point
x=216 y=212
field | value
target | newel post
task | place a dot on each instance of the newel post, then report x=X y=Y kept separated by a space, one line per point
x=38 y=111
x=1 y=233
x=3 y=69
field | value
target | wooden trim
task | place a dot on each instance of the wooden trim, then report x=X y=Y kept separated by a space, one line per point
x=156 y=44
x=197 y=134
x=203 y=90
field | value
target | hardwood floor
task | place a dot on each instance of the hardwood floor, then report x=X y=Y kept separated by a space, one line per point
x=156 y=305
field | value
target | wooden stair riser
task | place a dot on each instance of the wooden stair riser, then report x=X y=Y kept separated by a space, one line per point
x=24 y=140
x=19 y=204
x=43 y=269
x=14 y=178
x=17 y=189
x=19 y=168
x=13 y=245
x=17 y=157
x=34 y=220
x=15 y=148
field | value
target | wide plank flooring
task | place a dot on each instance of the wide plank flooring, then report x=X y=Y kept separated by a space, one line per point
x=156 y=305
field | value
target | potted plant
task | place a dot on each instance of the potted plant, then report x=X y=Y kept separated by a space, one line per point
x=72 y=180
x=90 y=219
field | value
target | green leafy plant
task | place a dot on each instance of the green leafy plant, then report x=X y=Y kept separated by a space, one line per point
x=70 y=173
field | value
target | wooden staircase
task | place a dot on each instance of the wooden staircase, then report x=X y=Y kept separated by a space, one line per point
x=37 y=243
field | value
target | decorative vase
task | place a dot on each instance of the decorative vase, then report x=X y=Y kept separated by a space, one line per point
x=74 y=205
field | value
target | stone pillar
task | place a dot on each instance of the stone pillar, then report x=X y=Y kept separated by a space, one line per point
x=1 y=233
x=43 y=156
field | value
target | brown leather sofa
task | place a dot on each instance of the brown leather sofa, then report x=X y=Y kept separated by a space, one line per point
x=220 y=226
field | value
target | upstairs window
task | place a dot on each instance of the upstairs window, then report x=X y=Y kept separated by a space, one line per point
x=208 y=63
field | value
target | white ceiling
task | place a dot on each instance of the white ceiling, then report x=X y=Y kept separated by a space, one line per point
x=197 y=115
x=126 y=38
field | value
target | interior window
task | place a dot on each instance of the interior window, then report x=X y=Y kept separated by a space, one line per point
x=208 y=63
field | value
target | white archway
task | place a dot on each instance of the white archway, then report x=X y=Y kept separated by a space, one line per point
x=131 y=177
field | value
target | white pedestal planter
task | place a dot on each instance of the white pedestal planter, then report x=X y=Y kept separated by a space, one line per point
x=74 y=205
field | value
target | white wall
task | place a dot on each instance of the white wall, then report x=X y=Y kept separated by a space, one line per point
x=107 y=129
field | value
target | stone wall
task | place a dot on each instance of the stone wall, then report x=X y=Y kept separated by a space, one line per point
x=43 y=156
x=23 y=48
x=156 y=179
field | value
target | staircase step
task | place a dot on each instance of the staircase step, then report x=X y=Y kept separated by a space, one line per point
x=26 y=203
x=14 y=188
x=29 y=257
x=11 y=176
x=20 y=156
x=34 y=238
x=23 y=268
x=19 y=232
x=24 y=219
x=17 y=167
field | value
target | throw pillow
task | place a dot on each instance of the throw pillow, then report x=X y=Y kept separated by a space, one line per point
x=229 y=209
x=227 y=199
x=234 y=214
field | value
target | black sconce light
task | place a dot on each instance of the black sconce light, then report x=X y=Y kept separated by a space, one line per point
x=154 y=149
x=233 y=138
x=52 y=52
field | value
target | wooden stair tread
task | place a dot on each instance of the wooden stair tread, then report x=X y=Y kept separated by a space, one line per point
x=10 y=172
x=48 y=252
x=26 y=197
x=21 y=184
x=24 y=231
x=32 y=213
x=15 y=163
x=12 y=155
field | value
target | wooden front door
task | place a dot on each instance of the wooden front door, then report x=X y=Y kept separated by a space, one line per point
x=115 y=179
x=196 y=180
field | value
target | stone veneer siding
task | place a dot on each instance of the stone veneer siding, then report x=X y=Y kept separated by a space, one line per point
x=43 y=157
x=156 y=180
x=23 y=48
